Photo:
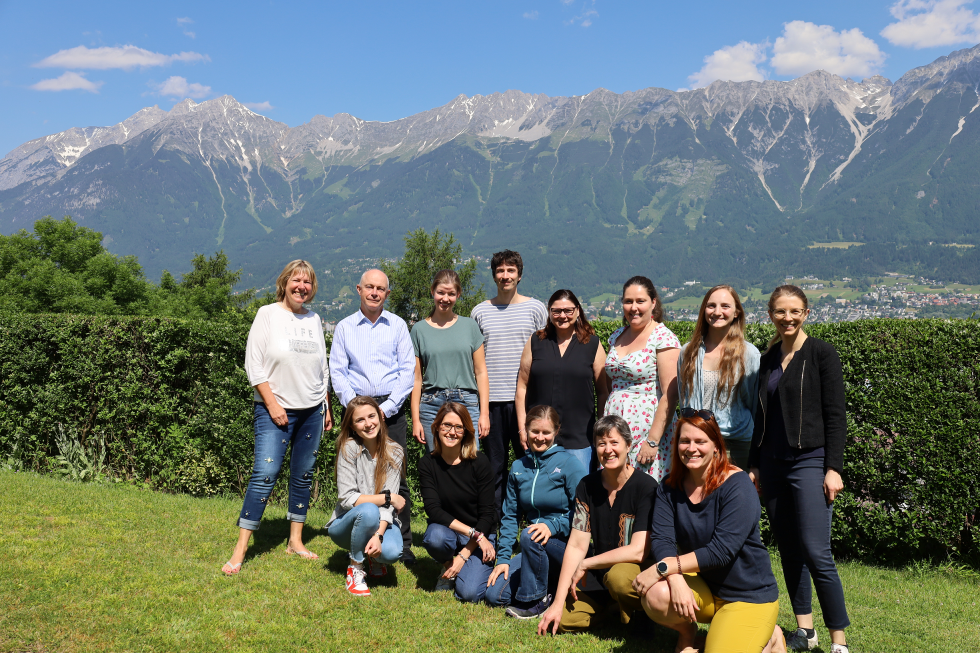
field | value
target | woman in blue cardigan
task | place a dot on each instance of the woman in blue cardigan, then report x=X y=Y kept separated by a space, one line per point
x=718 y=370
x=541 y=487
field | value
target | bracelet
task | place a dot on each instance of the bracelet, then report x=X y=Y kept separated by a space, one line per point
x=679 y=570
x=471 y=533
x=479 y=536
x=387 y=494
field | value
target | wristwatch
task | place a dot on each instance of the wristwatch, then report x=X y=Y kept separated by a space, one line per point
x=381 y=537
x=662 y=569
x=387 y=494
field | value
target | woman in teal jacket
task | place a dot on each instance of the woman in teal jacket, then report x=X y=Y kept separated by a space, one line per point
x=541 y=486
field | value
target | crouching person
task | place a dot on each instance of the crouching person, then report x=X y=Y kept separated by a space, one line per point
x=712 y=568
x=541 y=488
x=370 y=467
x=458 y=492
x=613 y=508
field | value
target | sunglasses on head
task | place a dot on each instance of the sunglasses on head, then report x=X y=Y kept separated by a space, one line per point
x=706 y=415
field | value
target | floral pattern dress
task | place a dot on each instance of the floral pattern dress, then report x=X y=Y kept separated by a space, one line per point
x=636 y=392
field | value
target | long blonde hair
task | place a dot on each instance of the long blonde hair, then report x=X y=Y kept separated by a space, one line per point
x=387 y=448
x=731 y=372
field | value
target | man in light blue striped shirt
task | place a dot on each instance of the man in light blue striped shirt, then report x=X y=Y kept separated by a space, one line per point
x=507 y=322
x=372 y=355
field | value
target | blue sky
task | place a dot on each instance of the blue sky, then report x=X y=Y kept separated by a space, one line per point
x=65 y=64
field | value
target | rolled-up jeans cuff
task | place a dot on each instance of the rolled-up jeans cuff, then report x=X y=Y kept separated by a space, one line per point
x=291 y=516
x=248 y=524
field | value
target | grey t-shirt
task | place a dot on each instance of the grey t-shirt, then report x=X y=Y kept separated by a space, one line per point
x=447 y=354
x=506 y=329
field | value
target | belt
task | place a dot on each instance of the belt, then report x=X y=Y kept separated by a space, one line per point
x=381 y=398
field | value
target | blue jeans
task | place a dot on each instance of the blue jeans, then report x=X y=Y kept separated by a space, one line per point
x=353 y=530
x=528 y=572
x=584 y=456
x=443 y=543
x=431 y=402
x=303 y=433
x=800 y=518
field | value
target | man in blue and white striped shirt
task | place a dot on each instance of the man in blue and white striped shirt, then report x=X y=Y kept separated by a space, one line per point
x=507 y=322
x=372 y=355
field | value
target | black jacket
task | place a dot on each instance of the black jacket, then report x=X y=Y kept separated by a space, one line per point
x=811 y=392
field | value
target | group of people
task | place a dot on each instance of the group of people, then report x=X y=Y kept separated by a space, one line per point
x=638 y=473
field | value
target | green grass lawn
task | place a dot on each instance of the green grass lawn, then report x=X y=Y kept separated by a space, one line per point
x=115 y=568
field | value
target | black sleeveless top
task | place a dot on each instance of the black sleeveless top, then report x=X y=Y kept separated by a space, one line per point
x=567 y=384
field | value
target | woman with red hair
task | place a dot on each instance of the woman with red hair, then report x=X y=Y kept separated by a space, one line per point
x=713 y=566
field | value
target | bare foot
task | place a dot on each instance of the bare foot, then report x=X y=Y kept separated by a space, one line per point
x=238 y=555
x=777 y=643
x=299 y=549
x=687 y=639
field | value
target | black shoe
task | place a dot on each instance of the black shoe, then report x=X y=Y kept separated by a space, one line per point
x=533 y=612
x=408 y=560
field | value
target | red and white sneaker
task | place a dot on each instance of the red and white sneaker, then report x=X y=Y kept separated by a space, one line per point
x=376 y=569
x=355 y=580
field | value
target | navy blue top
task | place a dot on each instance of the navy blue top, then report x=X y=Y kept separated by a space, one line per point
x=775 y=444
x=723 y=532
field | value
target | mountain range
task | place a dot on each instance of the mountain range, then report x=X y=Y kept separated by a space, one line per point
x=734 y=182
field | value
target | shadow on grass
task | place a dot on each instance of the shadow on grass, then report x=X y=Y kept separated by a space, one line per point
x=273 y=533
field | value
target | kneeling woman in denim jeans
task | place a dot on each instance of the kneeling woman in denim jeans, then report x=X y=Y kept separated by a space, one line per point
x=450 y=364
x=458 y=492
x=370 y=467
x=286 y=363
x=541 y=487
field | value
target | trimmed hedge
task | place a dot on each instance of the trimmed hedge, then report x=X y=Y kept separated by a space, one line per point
x=166 y=403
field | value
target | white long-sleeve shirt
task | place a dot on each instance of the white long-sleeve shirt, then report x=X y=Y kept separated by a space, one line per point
x=289 y=352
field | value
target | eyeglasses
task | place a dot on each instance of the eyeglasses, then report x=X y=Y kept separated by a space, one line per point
x=781 y=313
x=450 y=428
x=706 y=415
x=558 y=312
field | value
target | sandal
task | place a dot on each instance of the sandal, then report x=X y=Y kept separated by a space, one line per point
x=230 y=570
x=309 y=555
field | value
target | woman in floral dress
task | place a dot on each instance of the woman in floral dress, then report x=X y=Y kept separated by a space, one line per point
x=642 y=369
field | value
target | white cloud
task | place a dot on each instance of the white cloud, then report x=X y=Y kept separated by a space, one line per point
x=179 y=88
x=183 y=23
x=585 y=18
x=805 y=47
x=531 y=15
x=258 y=106
x=69 y=81
x=126 y=57
x=931 y=23
x=736 y=63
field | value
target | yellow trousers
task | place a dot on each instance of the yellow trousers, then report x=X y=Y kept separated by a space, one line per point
x=736 y=626
x=594 y=607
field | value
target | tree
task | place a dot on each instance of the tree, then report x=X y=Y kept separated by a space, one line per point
x=63 y=268
x=206 y=292
x=411 y=276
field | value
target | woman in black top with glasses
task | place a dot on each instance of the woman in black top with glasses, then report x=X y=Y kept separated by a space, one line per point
x=563 y=366
x=796 y=460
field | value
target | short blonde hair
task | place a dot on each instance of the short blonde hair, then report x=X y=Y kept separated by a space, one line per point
x=468 y=442
x=287 y=273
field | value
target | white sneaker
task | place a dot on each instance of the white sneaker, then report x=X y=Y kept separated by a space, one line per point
x=839 y=648
x=356 y=584
x=445 y=584
x=798 y=641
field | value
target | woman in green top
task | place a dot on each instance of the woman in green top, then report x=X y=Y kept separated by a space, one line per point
x=450 y=364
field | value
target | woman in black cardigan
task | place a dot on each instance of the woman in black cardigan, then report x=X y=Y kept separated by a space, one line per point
x=796 y=460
